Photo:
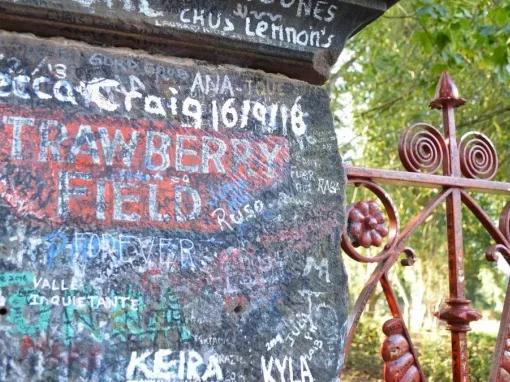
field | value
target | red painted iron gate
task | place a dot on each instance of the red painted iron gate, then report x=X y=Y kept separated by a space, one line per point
x=464 y=165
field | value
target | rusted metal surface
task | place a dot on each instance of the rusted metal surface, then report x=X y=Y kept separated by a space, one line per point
x=427 y=180
x=387 y=258
x=399 y=360
x=500 y=370
x=397 y=333
x=435 y=159
x=457 y=314
x=367 y=226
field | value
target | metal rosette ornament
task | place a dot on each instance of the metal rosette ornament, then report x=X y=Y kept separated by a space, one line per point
x=367 y=226
x=422 y=148
x=478 y=157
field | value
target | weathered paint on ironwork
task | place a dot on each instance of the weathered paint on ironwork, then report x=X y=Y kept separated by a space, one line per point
x=398 y=355
x=467 y=164
x=164 y=219
x=300 y=38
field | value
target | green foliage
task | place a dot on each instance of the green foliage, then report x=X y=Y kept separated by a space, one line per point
x=364 y=354
x=390 y=77
x=386 y=80
x=435 y=357
x=481 y=349
x=396 y=63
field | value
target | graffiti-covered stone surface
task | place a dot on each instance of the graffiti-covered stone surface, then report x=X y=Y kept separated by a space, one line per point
x=284 y=36
x=163 y=219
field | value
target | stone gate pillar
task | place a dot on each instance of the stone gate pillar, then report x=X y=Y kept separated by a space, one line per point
x=171 y=192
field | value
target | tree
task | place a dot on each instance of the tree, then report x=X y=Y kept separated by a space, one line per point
x=384 y=82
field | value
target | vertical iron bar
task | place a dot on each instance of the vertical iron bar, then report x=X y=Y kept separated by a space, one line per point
x=455 y=249
x=457 y=177
x=501 y=342
x=458 y=313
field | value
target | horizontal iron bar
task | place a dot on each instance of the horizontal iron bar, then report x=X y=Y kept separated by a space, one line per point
x=426 y=180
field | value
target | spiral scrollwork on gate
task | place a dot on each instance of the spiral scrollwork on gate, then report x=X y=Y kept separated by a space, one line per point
x=422 y=148
x=478 y=157
x=433 y=158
